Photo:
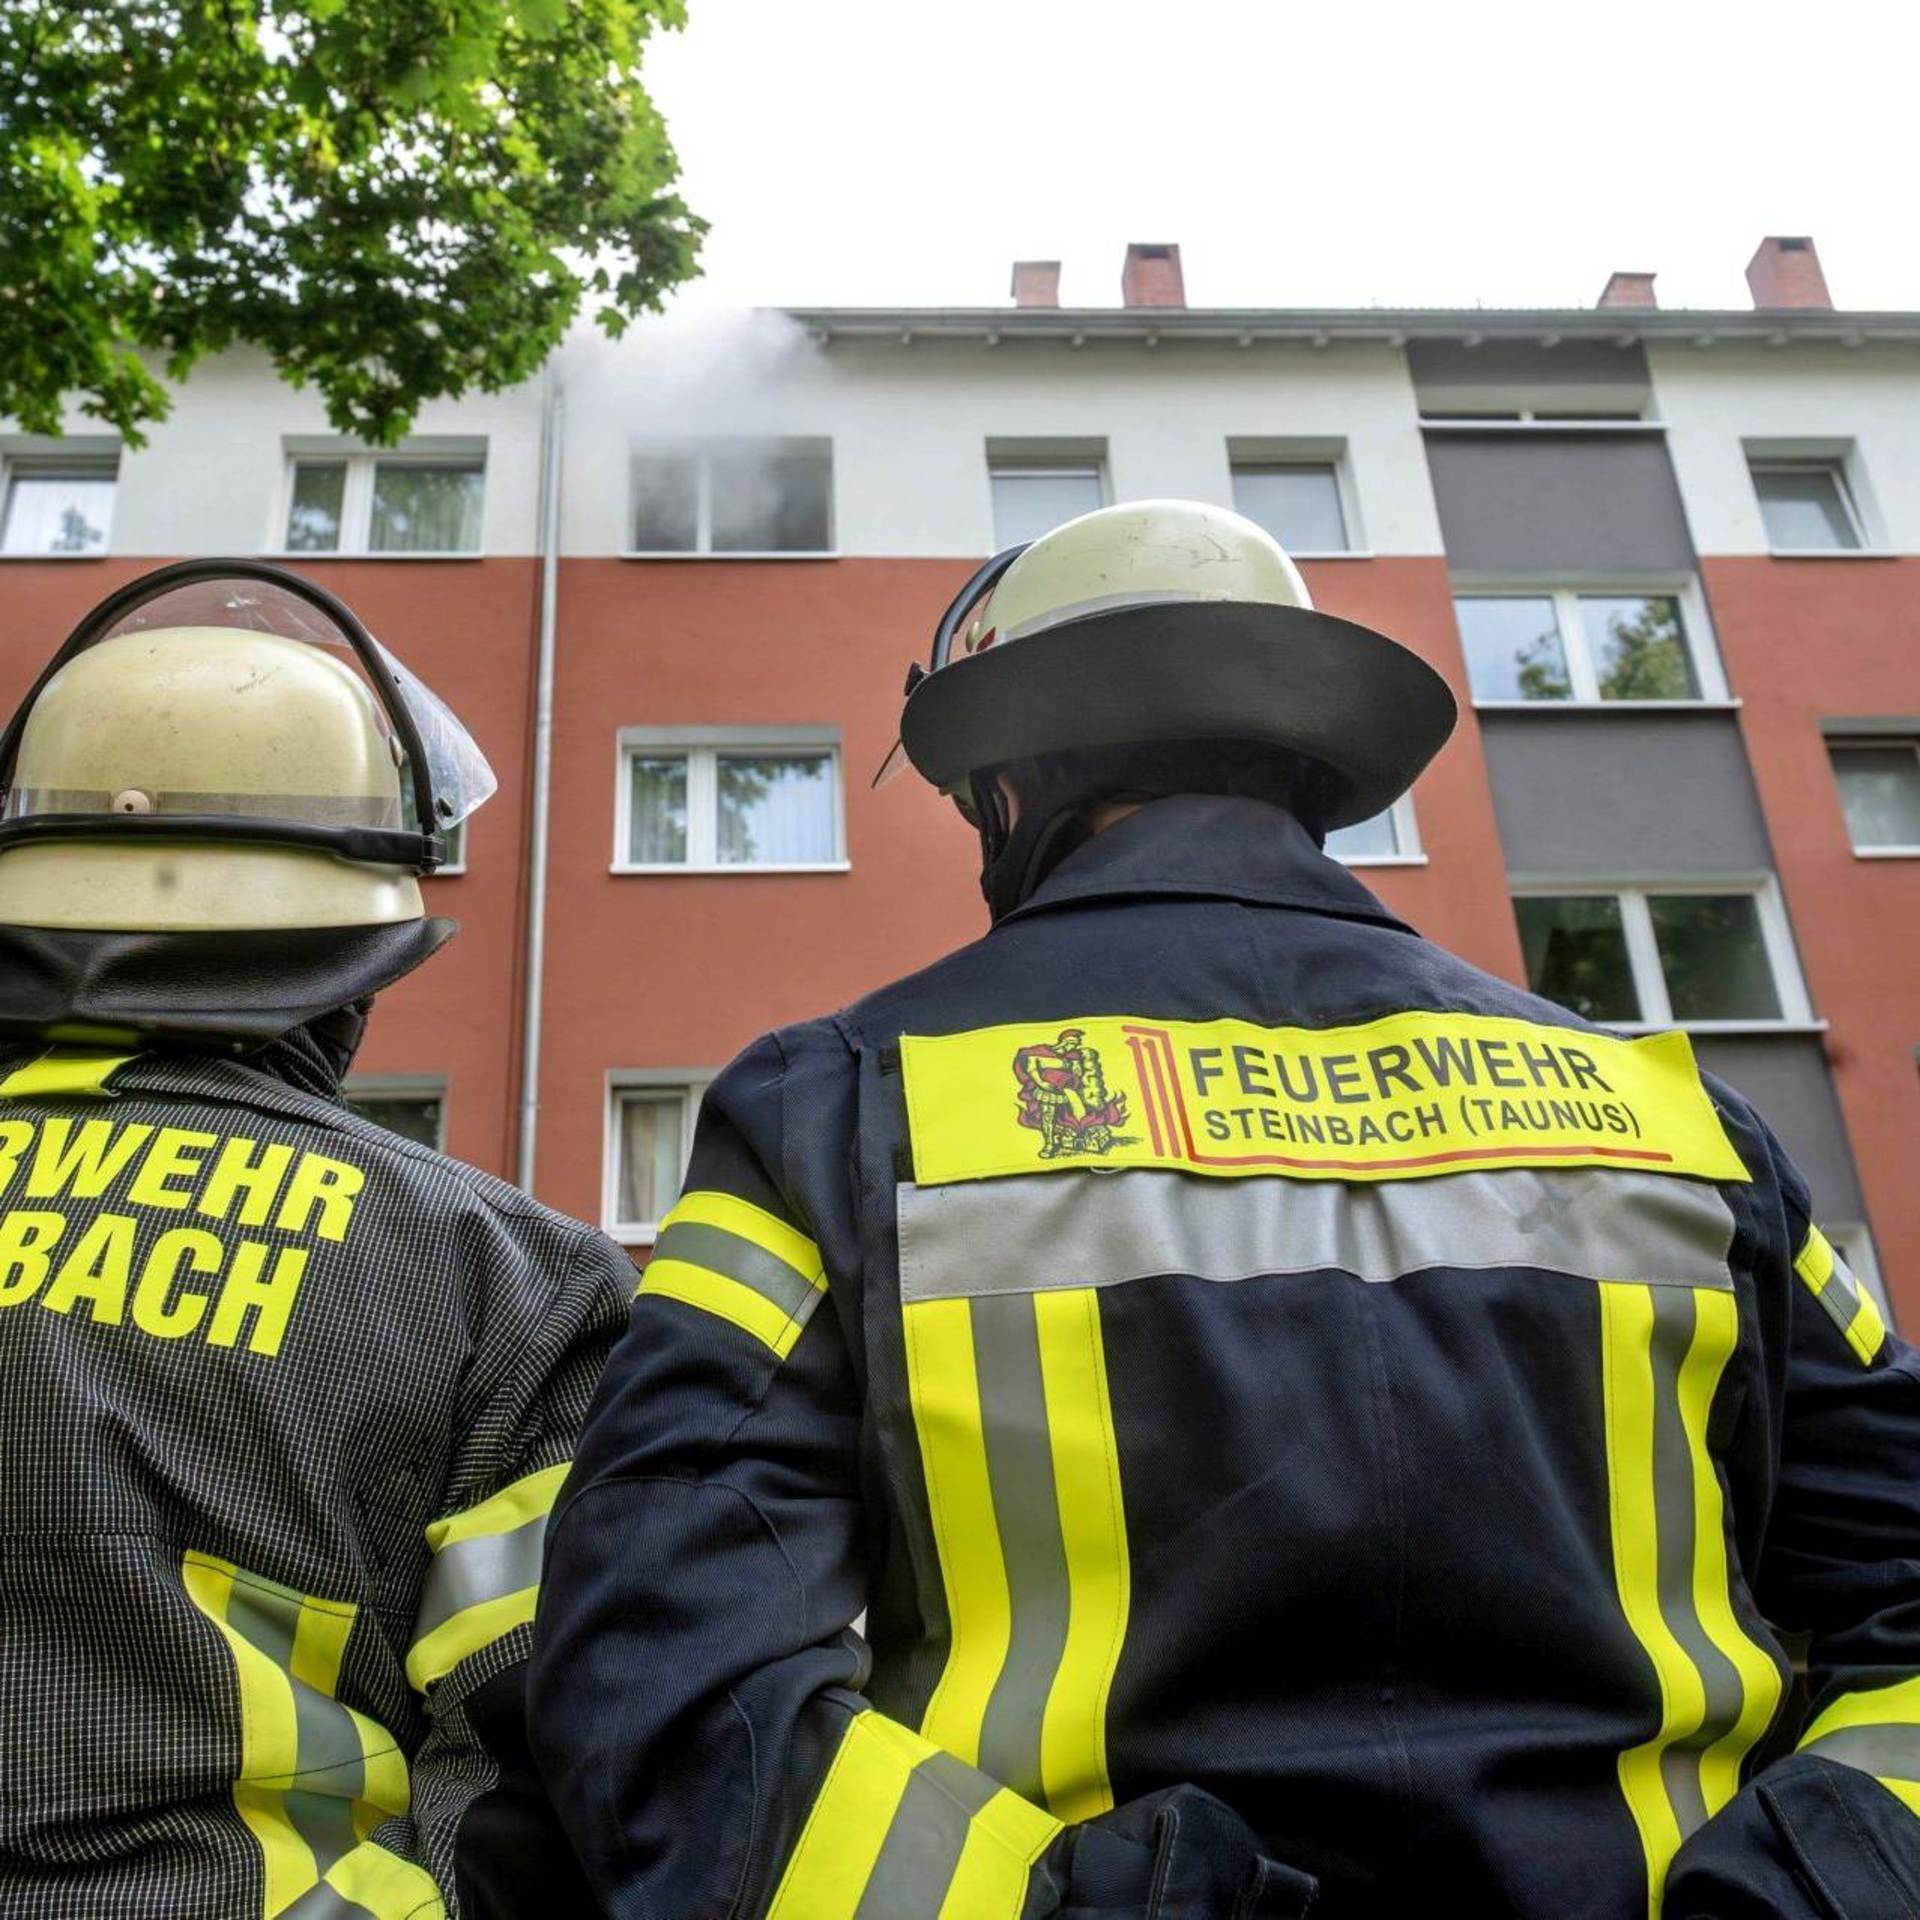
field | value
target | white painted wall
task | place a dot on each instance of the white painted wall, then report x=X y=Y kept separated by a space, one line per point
x=910 y=423
x=212 y=477
x=1715 y=398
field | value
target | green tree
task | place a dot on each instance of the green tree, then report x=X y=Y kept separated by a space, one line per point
x=395 y=199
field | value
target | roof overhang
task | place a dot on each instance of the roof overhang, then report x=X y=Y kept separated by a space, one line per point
x=1321 y=327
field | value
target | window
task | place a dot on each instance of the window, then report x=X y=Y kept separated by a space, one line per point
x=1298 y=502
x=456 y=839
x=733 y=496
x=650 y=1129
x=1641 y=956
x=1806 y=505
x=1565 y=645
x=731 y=803
x=58 y=506
x=1879 y=783
x=1032 y=497
x=416 y=1112
x=1387 y=836
x=378 y=503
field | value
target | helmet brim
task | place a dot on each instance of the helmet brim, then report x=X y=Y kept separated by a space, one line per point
x=1362 y=705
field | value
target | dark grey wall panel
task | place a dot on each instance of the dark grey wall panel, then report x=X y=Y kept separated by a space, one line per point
x=1573 y=504
x=1786 y=1078
x=1447 y=375
x=1618 y=794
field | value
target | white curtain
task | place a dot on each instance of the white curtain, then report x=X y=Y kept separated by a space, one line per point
x=58 y=513
x=776 y=810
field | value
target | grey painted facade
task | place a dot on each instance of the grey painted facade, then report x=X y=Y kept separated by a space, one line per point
x=1624 y=795
x=1573 y=505
x=1786 y=1078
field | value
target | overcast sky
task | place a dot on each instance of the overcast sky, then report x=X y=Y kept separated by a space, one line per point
x=872 y=152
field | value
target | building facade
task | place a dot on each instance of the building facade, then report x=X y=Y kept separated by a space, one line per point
x=1669 y=561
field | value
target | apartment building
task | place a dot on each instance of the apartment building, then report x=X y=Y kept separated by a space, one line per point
x=1669 y=561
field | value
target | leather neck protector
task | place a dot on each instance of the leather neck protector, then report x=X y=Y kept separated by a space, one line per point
x=216 y=992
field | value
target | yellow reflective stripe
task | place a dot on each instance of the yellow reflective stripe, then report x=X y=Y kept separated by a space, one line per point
x=1626 y=1337
x=714 y=1293
x=848 y=1823
x=1007 y=1836
x=317 y=1776
x=1860 y=1324
x=269 y=1742
x=1894 y=1706
x=70 y=1073
x=387 y=1886
x=1086 y=1471
x=706 y=1208
x=944 y=1389
x=1717 y=1335
x=435 y=1655
x=513 y=1506
x=1814 y=1262
x=1866 y=1332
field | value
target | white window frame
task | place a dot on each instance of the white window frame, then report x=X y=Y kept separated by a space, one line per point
x=691 y=1084
x=1834 y=466
x=701 y=453
x=1240 y=458
x=1406 y=833
x=402 y=1086
x=32 y=465
x=356 y=501
x=1643 y=951
x=1046 y=466
x=1839 y=743
x=1697 y=637
x=702 y=748
x=452 y=869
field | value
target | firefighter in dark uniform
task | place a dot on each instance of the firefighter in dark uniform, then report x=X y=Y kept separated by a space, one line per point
x=288 y=1397
x=1361 y=1439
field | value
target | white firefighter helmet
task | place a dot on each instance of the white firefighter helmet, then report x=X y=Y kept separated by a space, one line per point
x=1168 y=620
x=221 y=746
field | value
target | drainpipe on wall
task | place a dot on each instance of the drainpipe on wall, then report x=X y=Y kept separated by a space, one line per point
x=551 y=424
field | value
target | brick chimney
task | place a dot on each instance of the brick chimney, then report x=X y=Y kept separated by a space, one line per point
x=1036 y=283
x=1785 y=272
x=1628 y=290
x=1152 y=277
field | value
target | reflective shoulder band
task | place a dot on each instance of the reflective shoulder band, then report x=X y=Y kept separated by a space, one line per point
x=1844 y=1300
x=740 y=1263
x=485 y=1576
x=902 y=1827
x=65 y=1073
x=1877 y=1731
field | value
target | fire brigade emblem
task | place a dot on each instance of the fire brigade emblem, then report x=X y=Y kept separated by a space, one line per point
x=1064 y=1097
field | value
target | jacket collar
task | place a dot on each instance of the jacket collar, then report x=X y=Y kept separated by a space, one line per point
x=1208 y=846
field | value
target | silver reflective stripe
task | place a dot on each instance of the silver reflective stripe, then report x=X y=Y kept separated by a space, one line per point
x=1038 y=1231
x=322 y=1902
x=1013 y=1411
x=1840 y=1297
x=489 y=1566
x=1675 y=1315
x=924 y=1841
x=328 y=1761
x=719 y=1251
x=1888 y=1753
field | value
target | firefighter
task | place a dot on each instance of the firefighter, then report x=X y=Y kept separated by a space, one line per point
x=1360 y=1438
x=288 y=1397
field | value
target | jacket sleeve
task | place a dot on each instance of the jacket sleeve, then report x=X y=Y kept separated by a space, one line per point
x=482 y=1822
x=1832 y=1828
x=697 y=1673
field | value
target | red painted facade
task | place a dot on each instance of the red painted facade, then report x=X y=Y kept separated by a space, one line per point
x=1808 y=641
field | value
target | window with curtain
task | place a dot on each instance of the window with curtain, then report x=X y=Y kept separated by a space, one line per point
x=731 y=805
x=736 y=495
x=1879 y=782
x=385 y=503
x=1031 y=498
x=652 y=1127
x=58 y=507
x=1297 y=501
